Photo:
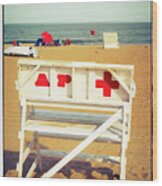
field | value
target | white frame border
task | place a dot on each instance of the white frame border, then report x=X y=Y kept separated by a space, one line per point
x=1 y=92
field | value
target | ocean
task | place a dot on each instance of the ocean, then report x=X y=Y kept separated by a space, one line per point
x=79 y=33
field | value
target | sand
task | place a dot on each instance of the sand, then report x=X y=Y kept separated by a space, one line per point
x=139 y=148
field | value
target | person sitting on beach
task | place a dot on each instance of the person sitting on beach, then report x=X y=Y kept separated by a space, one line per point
x=59 y=42
x=67 y=42
x=19 y=44
x=14 y=43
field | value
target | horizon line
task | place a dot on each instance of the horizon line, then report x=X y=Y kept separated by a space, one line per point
x=79 y=22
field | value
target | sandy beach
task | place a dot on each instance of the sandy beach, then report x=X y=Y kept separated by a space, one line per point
x=139 y=150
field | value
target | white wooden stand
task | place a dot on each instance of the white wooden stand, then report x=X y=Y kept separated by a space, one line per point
x=113 y=124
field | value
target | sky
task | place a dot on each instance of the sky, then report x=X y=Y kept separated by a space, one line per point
x=78 y=12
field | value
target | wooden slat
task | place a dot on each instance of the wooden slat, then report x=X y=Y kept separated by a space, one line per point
x=68 y=117
x=72 y=106
x=80 y=102
x=123 y=148
x=80 y=157
x=29 y=76
x=22 y=138
x=70 y=64
x=119 y=79
x=115 y=127
x=28 y=150
x=91 y=76
x=32 y=168
x=70 y=132
x=74 y=81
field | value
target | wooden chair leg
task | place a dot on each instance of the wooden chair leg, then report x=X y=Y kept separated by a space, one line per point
x=123 y=168
x=123 y=148
x=39 y=159
x=20 y=164
x=22 y=137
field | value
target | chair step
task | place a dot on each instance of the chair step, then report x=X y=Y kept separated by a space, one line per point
x=70 y=131
x=71 y=117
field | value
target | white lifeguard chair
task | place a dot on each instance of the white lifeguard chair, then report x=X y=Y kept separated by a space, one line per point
x=110 y=40
x=103 y=91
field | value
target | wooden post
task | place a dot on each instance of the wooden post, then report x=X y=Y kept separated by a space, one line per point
x=22 y=138
x=38 y=155
x=73 y=83
x=123 y=148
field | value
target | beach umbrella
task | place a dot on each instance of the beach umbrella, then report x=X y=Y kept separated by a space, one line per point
x=47 y=38
x=93 y=32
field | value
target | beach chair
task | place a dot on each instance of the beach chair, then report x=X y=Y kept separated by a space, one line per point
x=110 y=40
x=74 y=100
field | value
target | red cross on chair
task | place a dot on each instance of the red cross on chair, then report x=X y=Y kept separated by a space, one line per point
x=107 y=84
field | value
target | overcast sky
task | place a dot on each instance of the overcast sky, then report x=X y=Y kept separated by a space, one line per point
x=78 y=12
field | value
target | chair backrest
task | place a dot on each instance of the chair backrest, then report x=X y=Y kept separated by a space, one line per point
x=75 y=82
x=110 y=40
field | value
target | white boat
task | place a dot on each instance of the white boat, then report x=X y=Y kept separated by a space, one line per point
x=21 y=51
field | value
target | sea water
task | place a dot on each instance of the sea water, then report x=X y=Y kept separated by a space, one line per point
x=79 y=33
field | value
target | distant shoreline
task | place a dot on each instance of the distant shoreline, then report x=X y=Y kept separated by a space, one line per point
x=138 y=33
x=74 y=44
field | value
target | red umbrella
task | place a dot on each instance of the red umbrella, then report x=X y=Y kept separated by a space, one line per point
x=47 y=38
